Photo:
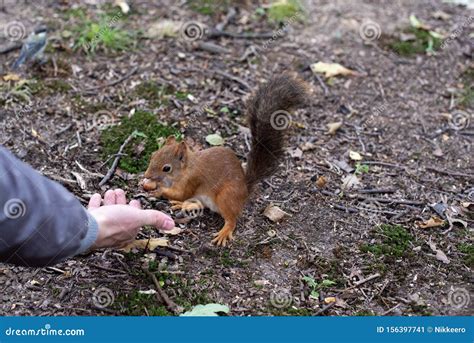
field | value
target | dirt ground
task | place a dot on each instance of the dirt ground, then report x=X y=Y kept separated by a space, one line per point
x=362 y=245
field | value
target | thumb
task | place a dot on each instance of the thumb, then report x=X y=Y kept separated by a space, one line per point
x=156 y=218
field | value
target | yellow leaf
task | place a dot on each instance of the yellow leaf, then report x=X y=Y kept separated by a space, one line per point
x=333 y=127
x=331 y=69
x=11 y=77
x=149 y=244
x=354 y=155
x=432 y=222
x=329 y=300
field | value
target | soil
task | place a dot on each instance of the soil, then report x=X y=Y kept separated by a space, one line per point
x=362 y=245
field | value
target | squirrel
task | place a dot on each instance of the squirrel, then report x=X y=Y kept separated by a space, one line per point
x=214 y=177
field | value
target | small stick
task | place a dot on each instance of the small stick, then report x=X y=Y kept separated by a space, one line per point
x=91 y=90
x=376 y=190
x=392 y=201
x=170 y=304
x=447 y=172
x=213 y=33
x=361 y=282
x=323 y=85
x=384 y=164
x=390 y=310
x=232 y=77
x=112 y=169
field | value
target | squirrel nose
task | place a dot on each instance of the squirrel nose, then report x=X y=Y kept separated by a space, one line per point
x=149 y=185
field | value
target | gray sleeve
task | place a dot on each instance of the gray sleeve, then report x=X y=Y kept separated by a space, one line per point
x=41 y=223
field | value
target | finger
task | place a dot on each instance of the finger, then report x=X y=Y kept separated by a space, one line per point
x=157 y=219
x=109 y=197
x=120 y=197
x=135 y=203
x=94 y=201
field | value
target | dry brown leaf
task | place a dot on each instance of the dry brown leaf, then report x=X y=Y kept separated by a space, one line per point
x=11 y=77
x=142 y=244
x=321 y=182
x=432 y=222
x=274 y=213
x=350 y=181
x=174 y=231
x=333 y=127
x=440 y=255
x=331 y=69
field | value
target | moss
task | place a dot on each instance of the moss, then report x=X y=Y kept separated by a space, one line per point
x=422 y=43
x=467 y=96
x=56 y=86
x=134 y=304
x=209 y=7
x=468 y=250
x=282 y=10
x=395 y=241
x=140 y=148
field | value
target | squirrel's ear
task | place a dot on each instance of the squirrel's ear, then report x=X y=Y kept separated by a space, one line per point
x=170 y=140
x=182 y=151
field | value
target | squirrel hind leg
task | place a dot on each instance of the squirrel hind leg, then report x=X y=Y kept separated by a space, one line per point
x=230 y=202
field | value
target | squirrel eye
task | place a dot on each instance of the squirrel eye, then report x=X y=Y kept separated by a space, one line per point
x=166 y=168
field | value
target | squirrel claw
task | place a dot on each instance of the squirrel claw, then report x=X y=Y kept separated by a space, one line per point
x=221 y=238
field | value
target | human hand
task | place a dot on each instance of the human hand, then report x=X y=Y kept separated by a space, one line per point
x=119 y=223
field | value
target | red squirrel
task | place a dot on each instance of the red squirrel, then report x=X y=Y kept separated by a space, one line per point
x=214 y=177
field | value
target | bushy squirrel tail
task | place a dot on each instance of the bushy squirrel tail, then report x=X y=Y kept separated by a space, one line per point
x=268 y=118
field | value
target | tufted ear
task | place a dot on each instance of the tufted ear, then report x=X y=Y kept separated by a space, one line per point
x=182 y=152
x=170 y=140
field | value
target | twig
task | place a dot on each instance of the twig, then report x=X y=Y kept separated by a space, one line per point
x=384 y=164
x=213 y=33
x=360 y=282
x=92 y=90
x=232 y=77
x=323 y=85
x=108 y=269
x=170 y=304
x=324 y=309
x=447 y=172
x=390 y=310
x=112 y=169
x=376 y=190
x=392 y=201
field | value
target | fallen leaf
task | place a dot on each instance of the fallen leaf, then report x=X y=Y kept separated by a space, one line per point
x=209 y=310
x=333 y=127
x=80 y=180
x=164 y=28
x=418 y=24
x=296 y=153
x=329 y=300
x=440 y=255
x=350 y=181
x=274 y=213
x=150 y=291
x=432 y=222
x=142 y=244
x=11 y=77
x=124 y=7
x=441 y=15
x=331 y=69
x=354 y=155
x=215 y=139
x=307 y=146
x=438 y=152
x=321 y=182
x=174 y=231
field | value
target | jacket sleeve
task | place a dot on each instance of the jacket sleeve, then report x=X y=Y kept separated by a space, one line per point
x=41 y=223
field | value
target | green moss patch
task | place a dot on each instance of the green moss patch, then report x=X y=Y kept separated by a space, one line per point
x=395 y=240
x=282 y=10
x=422 y=42
x=137 y=304
x=138 y=151
x=153 y=92
x=468 y=250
